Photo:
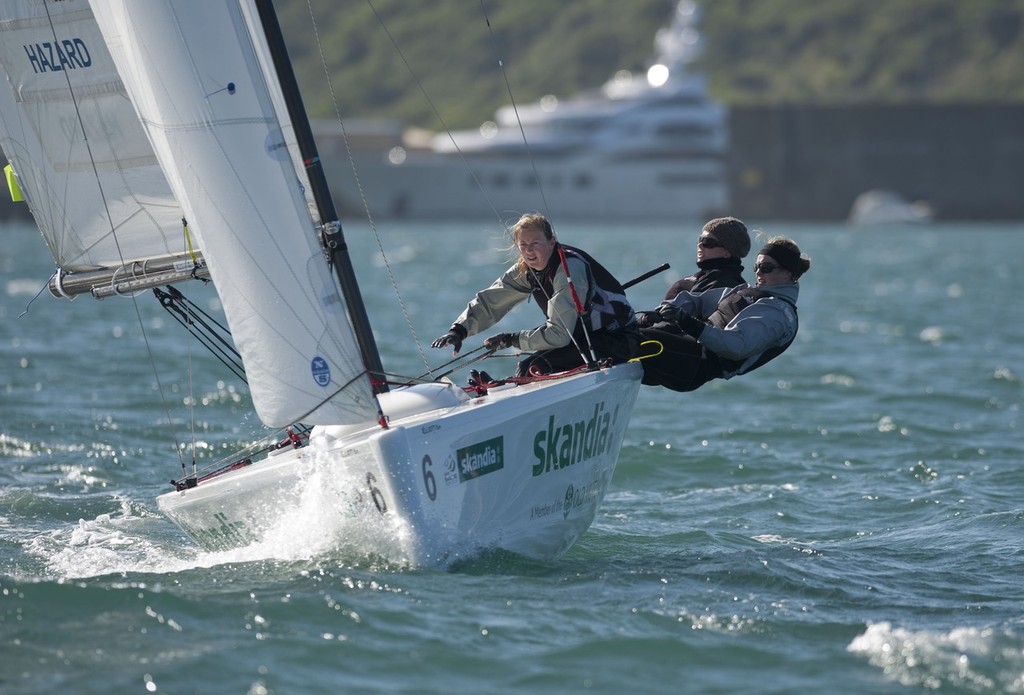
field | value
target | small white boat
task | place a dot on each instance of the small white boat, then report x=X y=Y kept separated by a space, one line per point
x=122 y=120
x=887 y=207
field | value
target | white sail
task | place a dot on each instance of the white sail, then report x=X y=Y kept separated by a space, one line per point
x=193 y=73
x=83 y=161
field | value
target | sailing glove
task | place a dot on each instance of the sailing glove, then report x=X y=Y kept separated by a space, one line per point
x=646 y=319
x=454 y=337
x=502 y=341
x=669 y=312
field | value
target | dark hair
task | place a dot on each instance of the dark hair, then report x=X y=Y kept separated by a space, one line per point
x=787 y=254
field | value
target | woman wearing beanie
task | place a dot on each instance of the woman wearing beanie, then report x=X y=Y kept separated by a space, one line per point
x=722 y=244
x=724 y=332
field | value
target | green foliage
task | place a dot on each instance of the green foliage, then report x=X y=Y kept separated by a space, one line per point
x=447 y=62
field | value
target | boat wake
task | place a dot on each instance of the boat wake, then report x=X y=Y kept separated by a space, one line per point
x=136 y=540
x=328 y=519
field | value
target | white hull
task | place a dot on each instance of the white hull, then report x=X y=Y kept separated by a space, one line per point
x=522 y=469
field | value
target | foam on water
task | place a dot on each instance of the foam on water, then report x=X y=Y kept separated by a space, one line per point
x=110 y=543
x=971 y=659
x=326 y=521
x=847 y=519
x=329 y=518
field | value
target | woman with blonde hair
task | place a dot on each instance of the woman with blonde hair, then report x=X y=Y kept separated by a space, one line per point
x=590 y=314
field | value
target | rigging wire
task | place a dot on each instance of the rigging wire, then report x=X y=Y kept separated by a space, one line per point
x=117 y=244
x=437 y=114
x=34 y=298
x=458 y=150
x=359 y=185
x=515 y=110
x=591 y=358
x=213 y=335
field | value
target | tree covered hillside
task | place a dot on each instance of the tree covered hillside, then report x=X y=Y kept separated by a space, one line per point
x=383 y=55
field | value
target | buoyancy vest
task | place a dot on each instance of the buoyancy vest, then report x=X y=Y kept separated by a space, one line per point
x=605 y=306
x=727 y=310
x=717 y=272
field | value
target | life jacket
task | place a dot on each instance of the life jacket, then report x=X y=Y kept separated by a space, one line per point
x=727 y=310
x=605 y=306
x=717 y=272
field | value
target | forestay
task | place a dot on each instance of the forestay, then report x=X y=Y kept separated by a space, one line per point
x=209 y=111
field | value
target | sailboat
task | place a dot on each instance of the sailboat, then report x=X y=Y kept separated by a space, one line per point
x=165 y=142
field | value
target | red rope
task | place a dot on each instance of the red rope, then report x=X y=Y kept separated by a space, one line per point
x=579 y=308
x=568 y=277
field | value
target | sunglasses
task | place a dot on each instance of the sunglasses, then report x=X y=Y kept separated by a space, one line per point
x=709 y=242
x=766 y=268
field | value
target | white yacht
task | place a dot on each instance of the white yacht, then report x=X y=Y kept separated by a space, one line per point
x=651 y=147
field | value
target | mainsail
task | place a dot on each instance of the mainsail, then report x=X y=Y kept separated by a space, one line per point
x=81 y=157
x=204 y=118
x=209 y=110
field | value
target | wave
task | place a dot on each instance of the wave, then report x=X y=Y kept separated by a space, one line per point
x=972 y=659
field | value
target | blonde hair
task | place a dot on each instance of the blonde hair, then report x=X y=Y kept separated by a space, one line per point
x=531 y=220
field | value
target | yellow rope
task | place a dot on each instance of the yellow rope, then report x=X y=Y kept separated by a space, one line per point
x=661 y=349
x=188 y=241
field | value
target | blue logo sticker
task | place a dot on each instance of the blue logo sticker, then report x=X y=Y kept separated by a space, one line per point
x=321 y=372
x=275 y=145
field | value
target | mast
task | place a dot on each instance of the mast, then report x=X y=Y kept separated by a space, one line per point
x=334 y=238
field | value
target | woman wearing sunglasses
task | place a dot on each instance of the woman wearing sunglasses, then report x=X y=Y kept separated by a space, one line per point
x=724 y=332
x=722 y=245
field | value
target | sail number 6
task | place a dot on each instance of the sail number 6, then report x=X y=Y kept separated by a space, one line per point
x=429 y=483
x=376 y=494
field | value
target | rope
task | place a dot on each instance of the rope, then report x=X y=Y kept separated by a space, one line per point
x=462 y=157
x=355 y=170
x=515 y=109
x=579 y=309
x=117 y=245
x=660 y=348
x=543 y=197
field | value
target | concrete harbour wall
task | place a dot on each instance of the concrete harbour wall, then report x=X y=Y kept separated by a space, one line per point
x=811 y=162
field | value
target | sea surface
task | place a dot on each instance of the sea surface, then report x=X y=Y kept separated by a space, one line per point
x=847 y=519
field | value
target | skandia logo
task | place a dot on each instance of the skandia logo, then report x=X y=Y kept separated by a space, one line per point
x=480 y=459
x=565 y=444
x=68 y=54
